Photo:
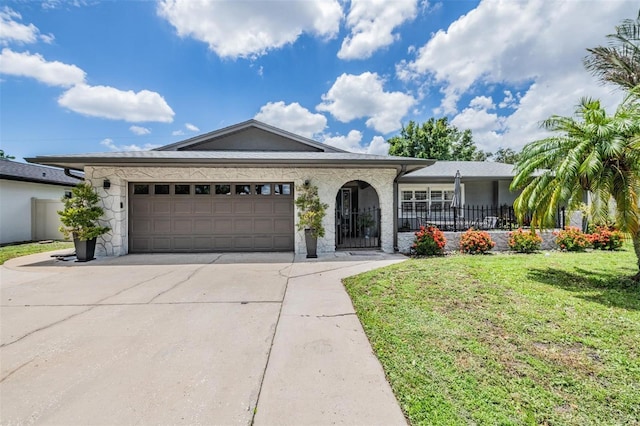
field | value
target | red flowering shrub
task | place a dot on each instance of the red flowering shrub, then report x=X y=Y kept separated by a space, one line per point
x=476 y=242
x=572 y=239
x=429 y=241
x=524 y=242
x=606 y=238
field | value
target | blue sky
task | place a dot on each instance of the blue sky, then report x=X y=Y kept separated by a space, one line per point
x=87 y=76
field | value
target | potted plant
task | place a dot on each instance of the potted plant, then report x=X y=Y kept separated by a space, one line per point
x=79 y=220
x=311 y=211
x=366 y=223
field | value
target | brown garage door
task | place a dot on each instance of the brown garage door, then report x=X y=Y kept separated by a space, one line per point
x=210 y=217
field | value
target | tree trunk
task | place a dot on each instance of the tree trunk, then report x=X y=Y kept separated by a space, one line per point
x=636 y=246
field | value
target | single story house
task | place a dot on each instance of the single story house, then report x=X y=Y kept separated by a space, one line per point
x=233 y=189
x=29 y=200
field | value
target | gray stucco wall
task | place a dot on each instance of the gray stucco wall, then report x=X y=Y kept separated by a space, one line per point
x=478 y=193
x=505 y=196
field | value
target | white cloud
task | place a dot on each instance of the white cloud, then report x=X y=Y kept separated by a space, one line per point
x=191 y=127
x=372 y=23
x=35 y=66
x=108 y=142
x=12 y=31
x=526 y=55
x=139 y=130
x=526 y=48
x=359 y=96
x=482 y=102
x=109 y=102
x=352 y=143
x=247 y=29
x=293 y=117
x=177 y=133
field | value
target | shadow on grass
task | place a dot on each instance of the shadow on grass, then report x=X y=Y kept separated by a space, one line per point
x=604 y=288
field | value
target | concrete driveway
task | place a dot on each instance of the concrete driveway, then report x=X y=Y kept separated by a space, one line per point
x=188 y=339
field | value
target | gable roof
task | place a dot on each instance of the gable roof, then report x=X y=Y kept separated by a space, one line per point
x=209 y=140
x=187 y=153
x=12 y=170
x=475 y=170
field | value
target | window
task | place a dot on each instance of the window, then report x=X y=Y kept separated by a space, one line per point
x=263 y=189
x=183 y=189
x=425 y=200
x=223 y=189
x=202 y=189
x=282 y=189
x=415 y=201
x=141 y=189
x=68 y=194
x=161 y=189
x=243 y=189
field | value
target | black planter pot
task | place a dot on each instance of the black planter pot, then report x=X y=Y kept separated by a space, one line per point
x=85 y=249
x=312 y=244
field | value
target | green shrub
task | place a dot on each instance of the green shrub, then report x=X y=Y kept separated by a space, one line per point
x=606 y=238
x=429 y=241
x=572 y=239
x=524 y=242
x=476 y=242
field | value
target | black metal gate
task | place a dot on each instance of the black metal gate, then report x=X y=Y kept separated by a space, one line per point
x=358 y=229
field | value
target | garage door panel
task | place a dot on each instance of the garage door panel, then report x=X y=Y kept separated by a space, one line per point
x=202 y=207
x=202 y=226
x=161 y=207
x=243 y=207
x=182 y=226
x=183 y=243
x=222 y=206
x=282 y=242
x=263 y=226
x=282 y=206
x=182 y=208
x=162 y=226
x=223 y=226
x=161 y=244
x=243 y=226
x=142 y=225
x=210 y=222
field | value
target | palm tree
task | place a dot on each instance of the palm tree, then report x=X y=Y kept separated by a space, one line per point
x=619 y=63
x=593 y=153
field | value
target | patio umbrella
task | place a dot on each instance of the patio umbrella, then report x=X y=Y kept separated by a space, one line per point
x=457 y=192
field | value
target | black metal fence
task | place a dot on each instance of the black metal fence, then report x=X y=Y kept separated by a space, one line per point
x=358 y=228
x=463 y=218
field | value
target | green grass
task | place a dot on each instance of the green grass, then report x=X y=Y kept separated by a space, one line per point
x=508 y=339
x=9 y=252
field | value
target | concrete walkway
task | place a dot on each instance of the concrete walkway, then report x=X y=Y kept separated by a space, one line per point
x=265 y=339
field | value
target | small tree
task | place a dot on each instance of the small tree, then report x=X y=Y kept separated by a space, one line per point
x=81 y=213
x=311 y=210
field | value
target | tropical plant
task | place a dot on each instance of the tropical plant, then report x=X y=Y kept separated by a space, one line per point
x=311 y=210
x=618 y=63
x=606 y=238
x=594 y=154
x=81 y=213
x=429 y=241
x=522 y=241
x=572 y=238
x=476 y=242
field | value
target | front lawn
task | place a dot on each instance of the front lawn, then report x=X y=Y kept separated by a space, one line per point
x=17 y=250
x=508 y=339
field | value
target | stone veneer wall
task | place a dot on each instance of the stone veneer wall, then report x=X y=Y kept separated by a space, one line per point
x=115 y=199
x=501 y=238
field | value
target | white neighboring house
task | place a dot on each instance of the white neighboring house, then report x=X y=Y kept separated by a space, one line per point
x=29 y=200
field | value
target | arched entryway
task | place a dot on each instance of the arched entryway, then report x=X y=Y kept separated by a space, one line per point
x=357 y=216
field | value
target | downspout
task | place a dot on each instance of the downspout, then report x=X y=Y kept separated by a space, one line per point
x=67 y=172
x=401 y=172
